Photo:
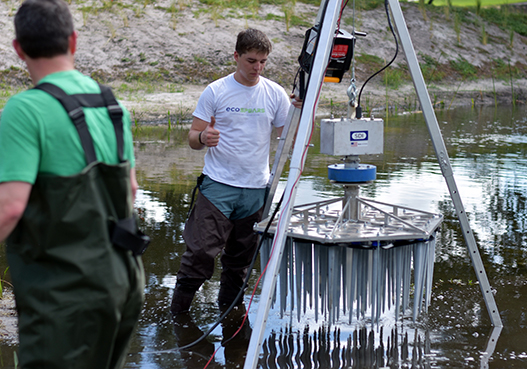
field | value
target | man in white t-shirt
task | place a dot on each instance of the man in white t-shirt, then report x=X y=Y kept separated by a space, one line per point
x=234 y=118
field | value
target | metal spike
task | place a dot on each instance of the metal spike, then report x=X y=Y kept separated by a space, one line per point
x=283 y=278
x=308 y=274
x=418 y=278
x=374 y=283
x=398 y=280
x=316 y=279
x=299 y=263
x=406 y=276
x=348 y=284
x=323 y=279
x=430 y=270
x=291 y=277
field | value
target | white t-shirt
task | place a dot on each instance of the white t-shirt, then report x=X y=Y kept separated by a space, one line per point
x=244 y=116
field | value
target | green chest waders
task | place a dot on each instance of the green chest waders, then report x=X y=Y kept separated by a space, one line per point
x=74 y=257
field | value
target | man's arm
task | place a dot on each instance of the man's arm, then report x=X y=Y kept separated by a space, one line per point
x=297 y=103
x=203 y=134
x=13 y=202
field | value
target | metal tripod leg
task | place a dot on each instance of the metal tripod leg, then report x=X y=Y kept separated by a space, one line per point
x=444 y=161
x=327 y=33
x=281 y=156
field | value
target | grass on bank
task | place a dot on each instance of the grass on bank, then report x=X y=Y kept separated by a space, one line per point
x=7 y=90
x=471 y=3
x=133 y=84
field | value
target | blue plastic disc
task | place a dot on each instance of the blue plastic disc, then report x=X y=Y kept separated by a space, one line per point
x=363 y=173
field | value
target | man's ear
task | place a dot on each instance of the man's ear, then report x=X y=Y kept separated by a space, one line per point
x=21 y=54
x=72 y=40
x=236 y=56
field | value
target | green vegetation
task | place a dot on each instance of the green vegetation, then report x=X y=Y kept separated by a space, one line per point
x=133 y=84
x=369 y=4
x=6 y=91
x=506 y=19
x=249 y=9
x=371 y=60
x=499 y=12
x=143 y=132
x=503 y=70
x=12 y=81
x=138 y=83
x=394 y=77
x=2 y=282
x=469 y=3
x=104 y=6
x=201 y=60
x=464 y=68
x=431 y=69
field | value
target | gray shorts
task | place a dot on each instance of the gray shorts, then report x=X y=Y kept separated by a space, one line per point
x=233 y=202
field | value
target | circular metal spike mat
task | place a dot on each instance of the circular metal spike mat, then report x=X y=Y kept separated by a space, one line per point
x=342 y=284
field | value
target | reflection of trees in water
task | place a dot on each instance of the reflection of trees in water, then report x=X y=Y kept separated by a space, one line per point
x=166 y=234
x=507 y=207
x=162 y=256
x=363 y=348
x=502 y=223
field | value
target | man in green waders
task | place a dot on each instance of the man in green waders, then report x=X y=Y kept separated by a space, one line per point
x=67 y=186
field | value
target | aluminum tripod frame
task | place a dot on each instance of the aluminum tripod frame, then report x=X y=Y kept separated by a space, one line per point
x=325 y=40
x=305 y=128
x=444 y=161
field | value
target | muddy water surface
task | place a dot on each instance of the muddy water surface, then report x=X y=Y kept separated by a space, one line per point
x=488 y=151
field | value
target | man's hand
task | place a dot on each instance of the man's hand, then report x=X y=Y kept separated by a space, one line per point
x=203 y=133
x=210 y=136
x=296 y=101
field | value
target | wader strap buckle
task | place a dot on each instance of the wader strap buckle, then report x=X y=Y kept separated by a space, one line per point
x=126 y=235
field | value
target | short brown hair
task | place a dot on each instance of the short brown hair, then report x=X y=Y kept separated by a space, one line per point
x=253 y=40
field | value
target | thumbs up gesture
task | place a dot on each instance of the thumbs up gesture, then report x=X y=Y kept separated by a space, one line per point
x=210 y=136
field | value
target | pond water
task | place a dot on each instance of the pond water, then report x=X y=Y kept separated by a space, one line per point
x=488 y=151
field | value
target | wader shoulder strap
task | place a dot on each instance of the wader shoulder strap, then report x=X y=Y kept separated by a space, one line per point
x=125 y=233
x=116 y=115
x=76 y=114
x=74 y=104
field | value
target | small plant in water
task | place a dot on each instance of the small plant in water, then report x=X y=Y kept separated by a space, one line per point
x=2 y=282
x=512 y=86
x=289 y=10
x=457 y=27
x=484 y=36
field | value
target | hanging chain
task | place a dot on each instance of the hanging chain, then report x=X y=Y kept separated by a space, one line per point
x=352 y=89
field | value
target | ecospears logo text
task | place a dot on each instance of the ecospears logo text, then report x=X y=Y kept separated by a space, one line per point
x=246 y=110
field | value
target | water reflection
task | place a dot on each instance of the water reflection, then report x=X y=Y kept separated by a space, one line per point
x=488 y=151
x=361 y=348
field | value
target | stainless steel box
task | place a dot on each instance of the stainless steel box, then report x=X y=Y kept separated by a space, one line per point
x=342 y=137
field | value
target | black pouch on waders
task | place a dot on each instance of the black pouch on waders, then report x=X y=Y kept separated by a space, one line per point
x=198 y=185
x=124 y=232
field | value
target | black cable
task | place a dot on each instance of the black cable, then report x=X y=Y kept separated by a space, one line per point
x=359 y=108
x=245 y=283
